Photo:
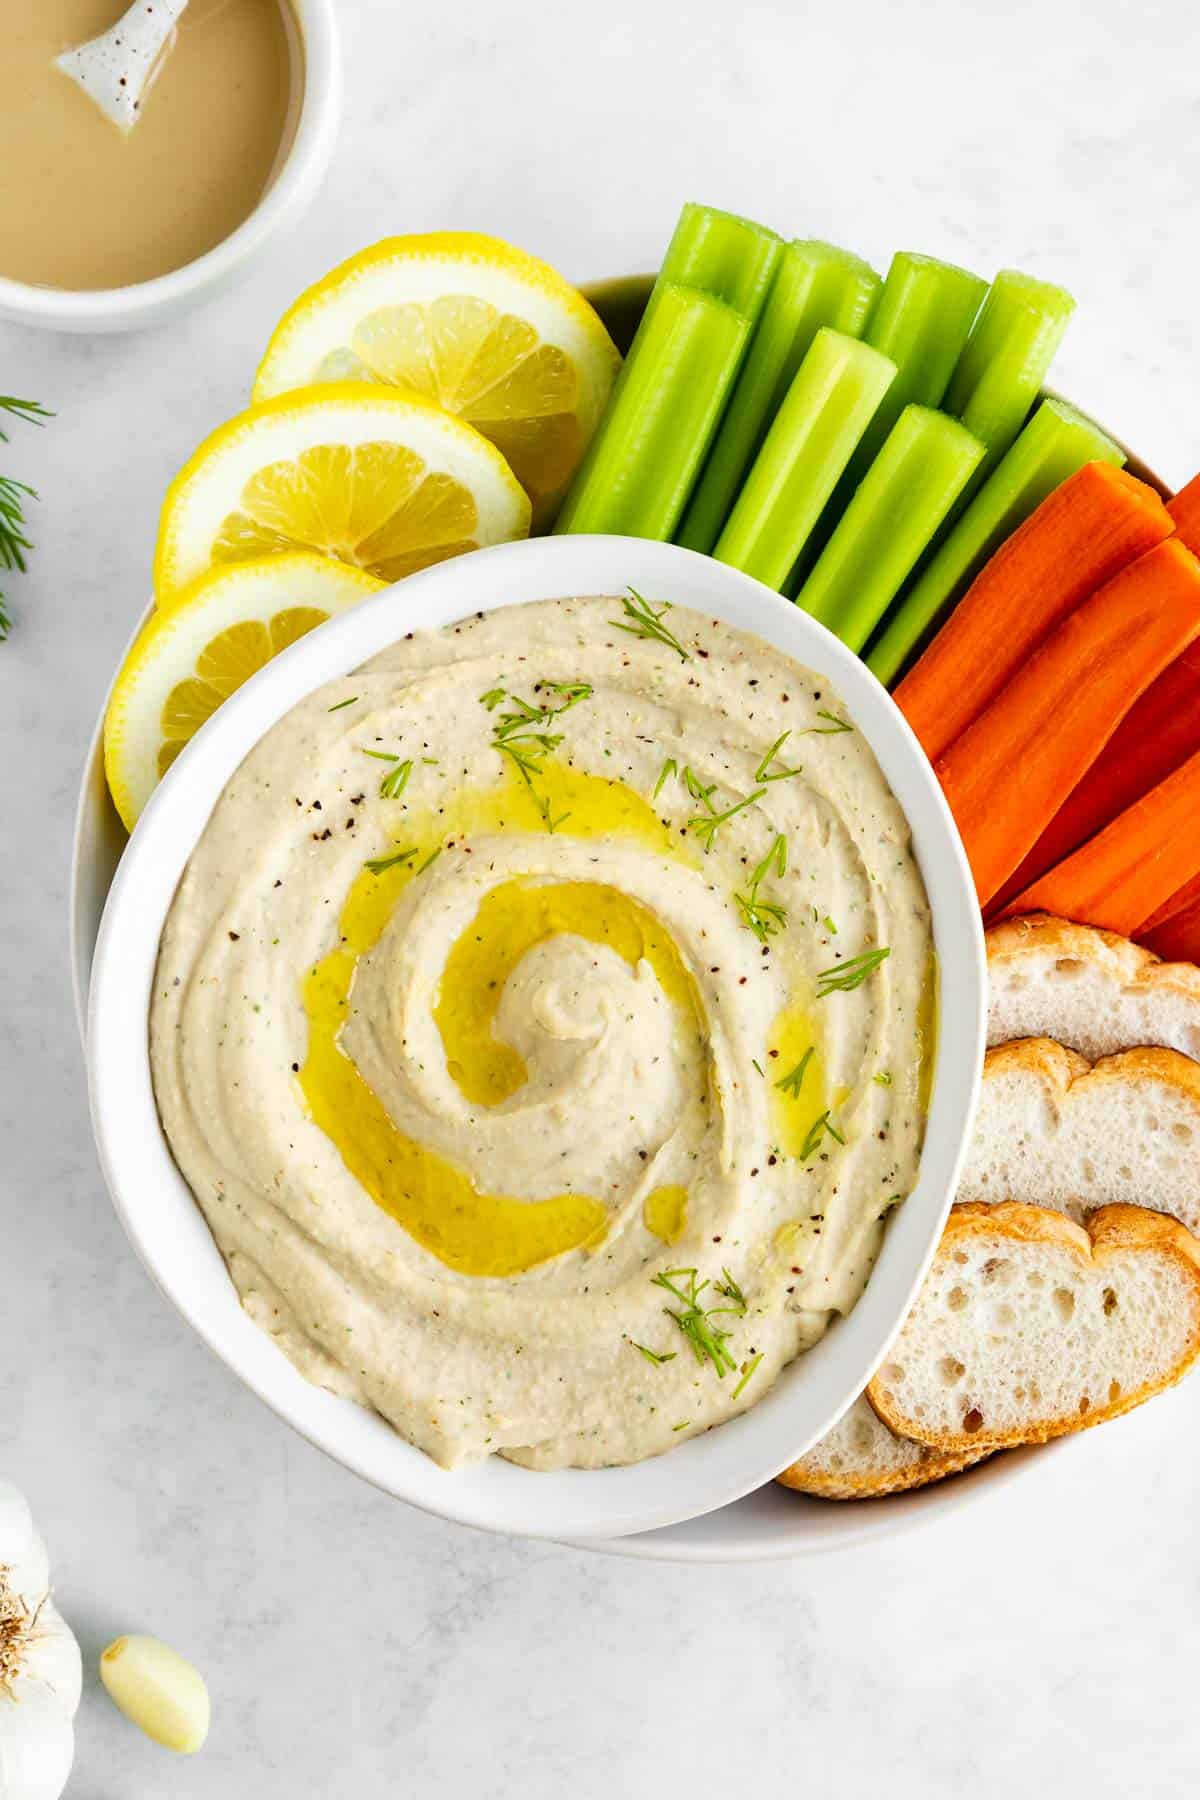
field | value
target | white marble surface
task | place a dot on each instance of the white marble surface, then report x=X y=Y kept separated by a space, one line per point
x=1046 y=1639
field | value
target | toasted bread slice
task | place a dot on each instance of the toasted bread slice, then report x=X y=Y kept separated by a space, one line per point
x=1089 y=989
x=1029 y=1326
x=861 y=1459
x=1055 y=1130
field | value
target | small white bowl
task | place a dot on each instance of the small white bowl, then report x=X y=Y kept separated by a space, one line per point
x=169 y=1231
x=295 y=183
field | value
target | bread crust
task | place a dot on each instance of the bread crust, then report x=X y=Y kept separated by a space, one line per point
x=1060 y=1069
x=1130 y=967
x=1110 y=1232
x=873 y=1484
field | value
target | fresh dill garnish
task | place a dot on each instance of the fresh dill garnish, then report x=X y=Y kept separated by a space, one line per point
x=645 y=621
x=764 y=772
x=396 y=780
x=747 y=1371
x=830 y=729
x=381 y=755
x=728 y=1288
x=706 y=825
x=765 y=917
x=708 y=1341
x=682 y=1425
x=883 y=1079
x=13 y=494
x=520 y=733
x=754 y=1063
x=816 y=1135
x=378 y=864
x=654 y=1356
x=29 y=412
x=431 y=858
x=843 y=977
x=697 y=789
x=829 y=925
x=793 y=1081
x=572 y=691
x=669 y=768
x=341 y=703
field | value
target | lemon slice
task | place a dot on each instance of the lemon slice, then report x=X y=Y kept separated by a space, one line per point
x=381 y=481
x=486 y=331
x=191 y=657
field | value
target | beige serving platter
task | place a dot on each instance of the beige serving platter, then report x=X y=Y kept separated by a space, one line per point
x=769 y=1524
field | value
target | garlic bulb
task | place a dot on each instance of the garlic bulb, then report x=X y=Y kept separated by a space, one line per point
x=40 y=1669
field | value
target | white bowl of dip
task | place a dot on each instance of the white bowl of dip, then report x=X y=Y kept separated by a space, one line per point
x=303 y=161
x=170 y=1234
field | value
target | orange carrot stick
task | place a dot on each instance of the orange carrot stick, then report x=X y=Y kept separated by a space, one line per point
x=1123 y=876
x=1185 y=510
x=1176 y=938
x=1182 y=900
x=1099 y=520
x=1155 y=736
x=1010 y=771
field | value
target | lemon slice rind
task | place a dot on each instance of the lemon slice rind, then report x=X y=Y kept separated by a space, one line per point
x=210 y=488
x=314 y=341
x=169 y=649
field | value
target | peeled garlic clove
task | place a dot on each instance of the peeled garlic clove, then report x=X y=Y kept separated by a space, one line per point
x=159 y=1690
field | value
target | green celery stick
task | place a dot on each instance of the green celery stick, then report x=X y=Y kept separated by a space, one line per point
x=922 y=320
x=642 y=463
x=926 y=461
x=1056 y=442
x=824 y=414
x=815 y=284
x=732 y=259
x=1000 y=372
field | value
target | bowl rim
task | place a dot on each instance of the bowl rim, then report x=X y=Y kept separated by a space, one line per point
x=169 y=1233
x=291 y=188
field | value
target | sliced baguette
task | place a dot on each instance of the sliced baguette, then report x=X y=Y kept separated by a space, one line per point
x=1089 y=989
x=861 y=1459
x=1029 y=1326
x=1055 y=1130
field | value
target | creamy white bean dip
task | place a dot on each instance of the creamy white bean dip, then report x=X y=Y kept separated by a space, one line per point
x=542 y=1025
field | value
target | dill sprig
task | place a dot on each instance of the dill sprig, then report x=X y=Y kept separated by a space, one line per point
x=708 y=1341
x=730 y=1290
x=843 y=977
x=816 y=1136
x=764 y=771
x=654 y=1356
x=793 y=1081
x=396 y=780
x=706 y=825
x=378 y=864
x=349 y=701
x=830 y=729
x=645 y=621
x=14 y=544
x=29 y=412
x=520 y=734
x=697 y=789
x=765 y=917
x=748 y=1369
